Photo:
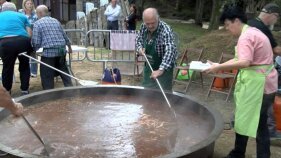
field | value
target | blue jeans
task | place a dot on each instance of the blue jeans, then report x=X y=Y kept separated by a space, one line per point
x=33 y=66
x=262 y=139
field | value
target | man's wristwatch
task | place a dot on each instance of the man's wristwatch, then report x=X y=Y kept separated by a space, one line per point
x=161 y=69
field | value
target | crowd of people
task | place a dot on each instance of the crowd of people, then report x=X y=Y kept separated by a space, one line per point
x=113 y=12
x=29 y=29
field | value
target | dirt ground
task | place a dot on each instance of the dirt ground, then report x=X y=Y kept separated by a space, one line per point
x=93 y=71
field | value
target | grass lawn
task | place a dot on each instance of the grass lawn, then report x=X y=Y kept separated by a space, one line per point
x=186 y=32
x=193 y=36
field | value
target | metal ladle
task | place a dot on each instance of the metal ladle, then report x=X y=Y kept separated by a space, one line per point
x=82 y=82
x=47 y=148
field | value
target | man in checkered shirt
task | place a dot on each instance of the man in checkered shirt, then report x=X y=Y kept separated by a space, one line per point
x=156 y=40
x=49 y=35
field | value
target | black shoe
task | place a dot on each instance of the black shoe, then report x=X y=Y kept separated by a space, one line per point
x=275 y=136
x=232 y=155
x=229 y=156
x=2 y=153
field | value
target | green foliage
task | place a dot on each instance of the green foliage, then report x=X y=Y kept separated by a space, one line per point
x=278 y=2
x=186 y=32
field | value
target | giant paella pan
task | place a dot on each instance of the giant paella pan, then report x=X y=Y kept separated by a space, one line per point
x=111 y=121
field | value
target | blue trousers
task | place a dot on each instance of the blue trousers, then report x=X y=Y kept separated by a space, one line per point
x=33 y=66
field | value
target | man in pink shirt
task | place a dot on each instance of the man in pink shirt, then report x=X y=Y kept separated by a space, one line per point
x=256 y=83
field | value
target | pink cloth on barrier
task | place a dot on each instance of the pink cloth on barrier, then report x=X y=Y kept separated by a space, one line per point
x=122 y=40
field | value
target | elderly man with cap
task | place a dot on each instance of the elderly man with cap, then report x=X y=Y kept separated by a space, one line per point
x=14 y=39
x=266 y=20
x=156 y=40
x=49 y=35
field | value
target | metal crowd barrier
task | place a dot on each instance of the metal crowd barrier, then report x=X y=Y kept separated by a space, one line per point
x=98 y=44
x=77 y=37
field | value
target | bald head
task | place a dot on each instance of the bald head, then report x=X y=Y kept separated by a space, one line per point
x=42 y=11
x=150 y=18
x=150 y=13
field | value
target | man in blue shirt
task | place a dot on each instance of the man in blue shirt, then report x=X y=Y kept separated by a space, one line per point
x=14 y=39
x=49 y=35
x=112 y=12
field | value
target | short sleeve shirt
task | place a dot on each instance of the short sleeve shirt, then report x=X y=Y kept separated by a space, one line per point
x=255 y=47
x=257 y=23
x=13 y=24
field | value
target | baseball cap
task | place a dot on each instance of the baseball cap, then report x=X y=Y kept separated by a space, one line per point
x=271 y=8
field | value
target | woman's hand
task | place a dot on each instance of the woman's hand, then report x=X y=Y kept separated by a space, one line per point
x=213 y=69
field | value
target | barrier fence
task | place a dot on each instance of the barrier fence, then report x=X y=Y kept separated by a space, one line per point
x=77 y=37
x=110 y=46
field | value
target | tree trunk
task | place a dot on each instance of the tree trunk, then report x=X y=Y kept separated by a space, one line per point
x=140 y=4
x=254 y=5
x=177 y=7
x=214 y=21
x=199 y=11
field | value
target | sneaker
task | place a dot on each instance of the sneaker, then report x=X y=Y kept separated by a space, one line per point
x=33 y=75
x=2 y=153
x=275 y=136
x=24 y=92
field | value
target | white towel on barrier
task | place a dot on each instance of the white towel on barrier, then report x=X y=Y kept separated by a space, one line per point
x=122 y=40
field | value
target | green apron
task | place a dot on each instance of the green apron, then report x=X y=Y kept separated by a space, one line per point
x=150 y=50
x=248 y=95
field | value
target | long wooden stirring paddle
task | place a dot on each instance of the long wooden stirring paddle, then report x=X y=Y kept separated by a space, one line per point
x=160 y=86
